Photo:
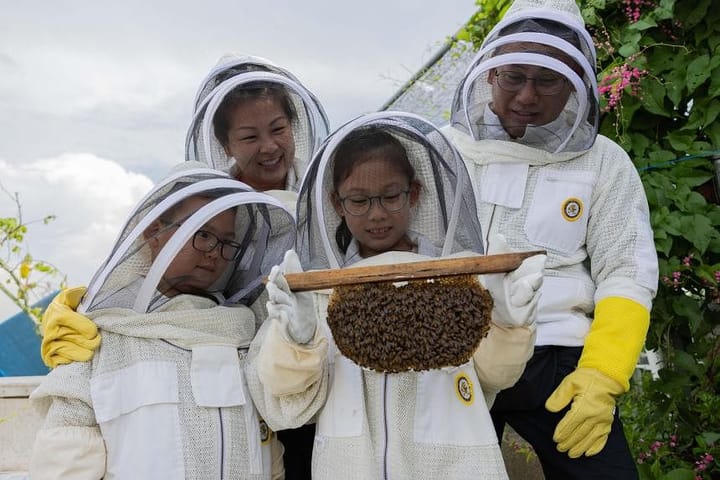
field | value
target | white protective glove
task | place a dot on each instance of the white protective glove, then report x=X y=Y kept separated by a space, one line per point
x=293 y=311
x=515 y=294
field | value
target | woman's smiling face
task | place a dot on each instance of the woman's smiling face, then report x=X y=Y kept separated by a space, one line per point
x=260 y=138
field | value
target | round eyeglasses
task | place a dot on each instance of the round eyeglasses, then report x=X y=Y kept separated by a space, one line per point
x=204 y=241
x=545 y=84
x=358 y=205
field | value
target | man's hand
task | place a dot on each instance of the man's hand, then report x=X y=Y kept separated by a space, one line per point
x=585 y=427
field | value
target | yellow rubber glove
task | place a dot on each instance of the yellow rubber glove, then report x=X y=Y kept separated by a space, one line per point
x=585 y=428
x=67 y=335
x=612 y=347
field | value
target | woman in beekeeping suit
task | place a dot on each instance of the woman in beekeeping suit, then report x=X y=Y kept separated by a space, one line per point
x=258 y=122
x=525 y=119
x=165 y=394
x=388 y=188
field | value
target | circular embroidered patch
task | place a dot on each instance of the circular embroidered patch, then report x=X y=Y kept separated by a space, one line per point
x=572 y=209
x=464 y=388
x=264 y=432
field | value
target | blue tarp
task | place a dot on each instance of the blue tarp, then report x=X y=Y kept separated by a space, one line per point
x=20 y=345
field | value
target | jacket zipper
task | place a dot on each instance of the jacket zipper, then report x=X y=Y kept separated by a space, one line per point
x=222 y=445
x=385 y=428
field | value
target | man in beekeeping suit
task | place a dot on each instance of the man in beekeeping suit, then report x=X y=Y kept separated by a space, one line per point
x=525 y=119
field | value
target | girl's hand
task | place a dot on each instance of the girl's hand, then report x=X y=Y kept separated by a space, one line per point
x=294 y=311
x=515 y=294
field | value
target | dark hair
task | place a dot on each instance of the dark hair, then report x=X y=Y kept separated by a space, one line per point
x=360 y=146
x=243 y=93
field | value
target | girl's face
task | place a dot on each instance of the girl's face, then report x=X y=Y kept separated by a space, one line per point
x=378 y=230
x=191 y=269
x=260 y=138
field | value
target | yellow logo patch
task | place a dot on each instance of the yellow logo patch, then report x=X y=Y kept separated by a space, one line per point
x=464 y=388
x=572 y=209
x=265 y=432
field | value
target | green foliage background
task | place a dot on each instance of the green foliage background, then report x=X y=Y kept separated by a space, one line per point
x=659 y=72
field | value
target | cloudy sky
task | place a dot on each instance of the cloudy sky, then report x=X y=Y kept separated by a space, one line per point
x=95 y=96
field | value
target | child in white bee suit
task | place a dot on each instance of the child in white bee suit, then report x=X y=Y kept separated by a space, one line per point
x=388 y=188
x=525 y=118
x=258 y=122
x=165 y=396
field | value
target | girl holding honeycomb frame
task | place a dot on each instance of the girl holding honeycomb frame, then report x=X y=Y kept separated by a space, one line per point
x=399 y=376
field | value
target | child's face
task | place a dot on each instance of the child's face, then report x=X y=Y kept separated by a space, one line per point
x=378 y=230
x=191 y=269
x=260 y=138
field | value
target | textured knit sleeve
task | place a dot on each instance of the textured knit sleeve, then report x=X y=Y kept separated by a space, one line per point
x=620 y=244
x=501 y=357
x=288 y=382
x=69 y=444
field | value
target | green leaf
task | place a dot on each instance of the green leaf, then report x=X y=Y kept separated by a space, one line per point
x=714 y=89
x=664 y=9
x=643 y=24
x=675 y=83
x=697 y=72
x=699 y=230
x=681 y=141
x=654 y=98
x=661 y=156
x=696 y=14
x=713 y=133
x=679 y=474
x=630 y=43
x=689 y=309
x=710 y=437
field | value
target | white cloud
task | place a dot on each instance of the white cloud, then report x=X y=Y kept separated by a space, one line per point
x=90 y=197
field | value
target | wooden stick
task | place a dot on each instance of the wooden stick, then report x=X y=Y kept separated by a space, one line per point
x=443 y=267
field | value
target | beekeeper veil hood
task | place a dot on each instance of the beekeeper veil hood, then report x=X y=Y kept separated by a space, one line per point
x=533 y=80
x=197 y=232
x=232 y=64
x=444 y=213
x=241 y=79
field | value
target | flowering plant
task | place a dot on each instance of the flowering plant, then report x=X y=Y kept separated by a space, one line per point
x=23 y=279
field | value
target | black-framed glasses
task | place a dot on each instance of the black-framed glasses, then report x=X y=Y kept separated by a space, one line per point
x=358 y=205
x=545 y=84
x=204 y=241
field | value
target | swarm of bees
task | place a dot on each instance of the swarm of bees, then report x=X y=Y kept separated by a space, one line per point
x=419 y=325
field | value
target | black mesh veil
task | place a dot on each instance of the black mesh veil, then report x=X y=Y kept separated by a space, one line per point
x=234 y=64
x=258 y=230
x=550 y=35
x=310 y=126
x=445 y=212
